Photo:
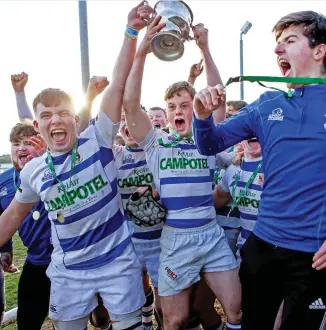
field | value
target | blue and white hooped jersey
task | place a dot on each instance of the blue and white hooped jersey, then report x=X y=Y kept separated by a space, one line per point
x=184 y=179
x=223 y=216
x=248 y=205
x=88 y=228
x=132 y=172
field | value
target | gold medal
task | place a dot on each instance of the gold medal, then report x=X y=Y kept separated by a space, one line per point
x=60 y=218
x=36 y=215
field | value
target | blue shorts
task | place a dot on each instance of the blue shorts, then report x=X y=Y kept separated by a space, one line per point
x=189 y=251
x=148 y=253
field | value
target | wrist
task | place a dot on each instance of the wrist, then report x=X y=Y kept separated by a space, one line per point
x=202 y=116
x=20 y=91
x=131 y=32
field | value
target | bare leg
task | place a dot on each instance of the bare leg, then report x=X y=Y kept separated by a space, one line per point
x=176 y=309
x=227 y=289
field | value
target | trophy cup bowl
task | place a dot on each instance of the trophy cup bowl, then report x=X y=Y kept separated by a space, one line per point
x=167 y=45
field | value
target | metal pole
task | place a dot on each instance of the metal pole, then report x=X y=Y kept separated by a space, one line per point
x=241 y=67
x=83 y=34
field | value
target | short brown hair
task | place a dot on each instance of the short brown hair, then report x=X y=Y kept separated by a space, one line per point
x=177 y=87
x=52 y=97
x=157 y=109
x=314 y=27
x=25 y=128
x=237 y=105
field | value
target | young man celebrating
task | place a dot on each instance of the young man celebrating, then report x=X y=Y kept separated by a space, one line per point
x=285 y=258
x=192 y=243
x=35 y=233
x=76 y=179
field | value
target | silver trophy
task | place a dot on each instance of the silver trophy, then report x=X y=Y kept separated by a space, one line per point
x=167 y=45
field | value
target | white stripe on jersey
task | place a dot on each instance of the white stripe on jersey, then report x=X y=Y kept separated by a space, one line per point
x=133 y=171
x=93 y=232
x=184 y=179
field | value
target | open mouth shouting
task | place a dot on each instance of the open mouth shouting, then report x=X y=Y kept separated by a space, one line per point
x=180 y=124
x=157 y=125
x=23 y=157
x=58 y=135
x=285 y=66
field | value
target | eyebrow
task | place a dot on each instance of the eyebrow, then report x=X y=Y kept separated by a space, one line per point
x=288 y=37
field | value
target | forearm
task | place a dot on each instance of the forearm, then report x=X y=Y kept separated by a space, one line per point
x=191 y=80
x=213 y=78
x=24 y=112
x=132 y=95
x=112 y=97
x=85 y=116
x=7 y=247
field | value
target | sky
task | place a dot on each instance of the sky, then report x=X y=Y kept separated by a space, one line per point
x=42 y=39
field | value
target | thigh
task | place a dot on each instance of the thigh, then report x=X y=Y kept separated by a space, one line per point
x=121 y=284
x=180 y=263
x=79 y=324
x=262 y=288
x=305 y=303
x=176 y=306
x=33 y=295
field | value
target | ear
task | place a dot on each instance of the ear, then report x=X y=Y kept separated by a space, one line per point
x=77 y=120
x=320 y=52
x=35 y=124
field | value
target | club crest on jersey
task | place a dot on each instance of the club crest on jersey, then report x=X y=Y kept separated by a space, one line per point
x=128 y=160
x=3 y=192
x=47 y=175
x=276 y=115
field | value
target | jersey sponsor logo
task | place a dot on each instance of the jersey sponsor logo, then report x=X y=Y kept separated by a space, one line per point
x=68 y=185
x=128 y=160
x=245 y=202
x=136 y=180
x=276 y=115
x=47 y=175
x=171 y=273
x=81 y=192
x=317 y=304
x=183 y=163
x=3 y=192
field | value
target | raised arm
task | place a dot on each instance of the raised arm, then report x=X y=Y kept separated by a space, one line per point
x=212 y=139
x=112 y=98
x=95 y=87
x=195 y=71
x=138 y=121
x=19 y=82
x=213 y=77
x=11 y=219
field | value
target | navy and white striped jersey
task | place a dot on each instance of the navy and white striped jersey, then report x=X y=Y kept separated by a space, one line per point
x=184 y=179
x=133 y=172
x=88 y=228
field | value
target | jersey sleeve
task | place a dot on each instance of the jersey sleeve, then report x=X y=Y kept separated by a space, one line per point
x=151 y=139
x=212 y=139
x=224 y=183
x=105 y=129
x=25 y=193
x=24 y=112
x=223 y=159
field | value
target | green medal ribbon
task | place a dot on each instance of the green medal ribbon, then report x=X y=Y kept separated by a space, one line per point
x=178 y=139
x=216 y=175
x=244 y=191
x=289 y=93
x=73 y=164
x=15 y=181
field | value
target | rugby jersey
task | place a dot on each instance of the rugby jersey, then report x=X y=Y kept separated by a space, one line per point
x=183 y=178
x=224 y=216
x=132 y=172
x=292 y=134
x=90 y=230
x=249 y=203
x=35 y=231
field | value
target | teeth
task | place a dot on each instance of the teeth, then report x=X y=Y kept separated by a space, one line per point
x=283 y=61
x=58 y=131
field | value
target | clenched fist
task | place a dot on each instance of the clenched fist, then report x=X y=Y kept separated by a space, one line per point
x=95 y=87
x=208 y=100
x=19 y=82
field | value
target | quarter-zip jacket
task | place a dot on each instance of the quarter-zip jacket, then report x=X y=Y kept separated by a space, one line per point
x=292 y=134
